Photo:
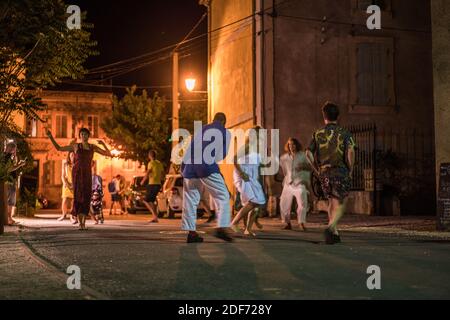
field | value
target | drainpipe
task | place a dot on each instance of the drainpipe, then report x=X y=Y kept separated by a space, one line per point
x=209 y=77
x=255 y=79
x=259 y=62
x=207 y=4
x=263 y=65
x=274 y=103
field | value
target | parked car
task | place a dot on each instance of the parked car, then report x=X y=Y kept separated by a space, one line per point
x=169 y=200
x=137 y=196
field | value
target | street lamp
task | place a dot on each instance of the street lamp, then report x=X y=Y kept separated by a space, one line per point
x=190 y=85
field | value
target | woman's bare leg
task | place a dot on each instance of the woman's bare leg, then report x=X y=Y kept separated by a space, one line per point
x=251 y=219
x=82 y=219
x=63 y=209
x=10 y=219
x=256 y=222
x=242 y=213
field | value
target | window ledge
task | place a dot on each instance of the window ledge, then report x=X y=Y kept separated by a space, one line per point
x=362 y=109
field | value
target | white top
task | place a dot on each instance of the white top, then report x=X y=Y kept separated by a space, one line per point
x=296 y=169
x=250 y=165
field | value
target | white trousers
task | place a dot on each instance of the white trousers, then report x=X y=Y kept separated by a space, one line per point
x=300 y=193
x=192 y=188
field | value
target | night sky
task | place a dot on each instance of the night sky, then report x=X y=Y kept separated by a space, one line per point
x=125 y=29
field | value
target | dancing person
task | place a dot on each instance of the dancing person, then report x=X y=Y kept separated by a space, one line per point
x=155 y=177
x=67 y=189
x=246 y=178
x=14 y=166
x=332 y=153
x=82 y=172
x=200 y=173
x=206 y=205
x=297 y=176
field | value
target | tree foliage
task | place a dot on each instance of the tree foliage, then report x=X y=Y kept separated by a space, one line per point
x=36 y=32
x=37 y=50
x=138 y=124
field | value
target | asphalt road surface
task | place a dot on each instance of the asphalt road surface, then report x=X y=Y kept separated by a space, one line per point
x=133 y=259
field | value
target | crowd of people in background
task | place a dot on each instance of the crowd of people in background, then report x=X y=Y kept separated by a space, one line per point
x=330 y=155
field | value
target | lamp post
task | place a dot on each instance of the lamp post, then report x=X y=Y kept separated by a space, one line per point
x=190 y=86
x=175 y=103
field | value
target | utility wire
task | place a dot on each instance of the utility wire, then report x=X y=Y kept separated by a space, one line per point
x=120 y=67
x=191 y=32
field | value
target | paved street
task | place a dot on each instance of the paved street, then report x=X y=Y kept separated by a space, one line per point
x=129 y=258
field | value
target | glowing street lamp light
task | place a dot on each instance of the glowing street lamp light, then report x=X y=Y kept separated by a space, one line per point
x=190 y=84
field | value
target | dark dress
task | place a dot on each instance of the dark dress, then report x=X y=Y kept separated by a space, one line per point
x=82 y=180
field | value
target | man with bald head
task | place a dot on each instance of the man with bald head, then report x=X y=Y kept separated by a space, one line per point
x=201 y=172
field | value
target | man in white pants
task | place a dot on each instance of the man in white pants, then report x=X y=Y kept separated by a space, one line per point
x=297 y=177
x=202 y=174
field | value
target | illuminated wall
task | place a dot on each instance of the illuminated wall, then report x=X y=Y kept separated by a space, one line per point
x=231 y=69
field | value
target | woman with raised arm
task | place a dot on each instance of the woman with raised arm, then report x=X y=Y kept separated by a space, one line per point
x=82 y=172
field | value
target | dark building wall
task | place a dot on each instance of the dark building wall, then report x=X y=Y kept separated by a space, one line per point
x=441 y=61
x=311 y=55
x=316 y=59
x=314 y=65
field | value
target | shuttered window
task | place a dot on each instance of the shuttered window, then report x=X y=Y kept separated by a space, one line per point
x=374 y=79
x=61 y=126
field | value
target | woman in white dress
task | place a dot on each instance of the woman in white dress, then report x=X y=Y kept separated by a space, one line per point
x=247 y=182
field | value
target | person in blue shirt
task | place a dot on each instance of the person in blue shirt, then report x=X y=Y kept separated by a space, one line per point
x=200 y=171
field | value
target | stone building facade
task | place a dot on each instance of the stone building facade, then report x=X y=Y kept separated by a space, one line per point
x=286 y=58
